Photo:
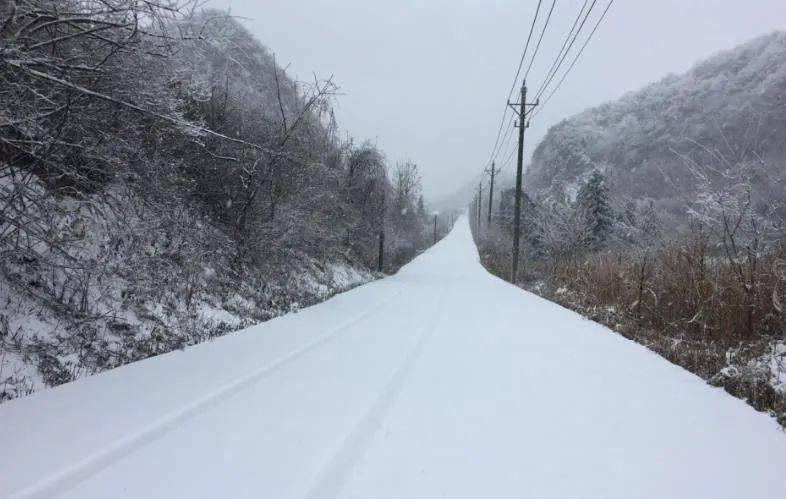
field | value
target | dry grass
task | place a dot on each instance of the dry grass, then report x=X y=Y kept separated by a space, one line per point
x=684 y=299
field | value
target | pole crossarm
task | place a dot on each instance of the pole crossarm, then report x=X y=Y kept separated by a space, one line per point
x=529 y=107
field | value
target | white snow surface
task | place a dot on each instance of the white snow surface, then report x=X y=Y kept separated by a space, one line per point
x=440 y=381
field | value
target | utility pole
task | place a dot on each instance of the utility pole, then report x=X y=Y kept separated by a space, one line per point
x=381 y=254
x=523 y=123
x=480 y=205
x=491 y=192
x=435 y=228
x=475 y=207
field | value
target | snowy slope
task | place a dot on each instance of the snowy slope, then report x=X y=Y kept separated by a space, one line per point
x=727 y=108
x=441 y=381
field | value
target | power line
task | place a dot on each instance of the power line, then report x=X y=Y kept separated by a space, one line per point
x=510 y=157
x=526 y=46
x=523 y=109
x=501 y=140
x=505 y=139
x=540 y=39
x=573 y=63
x=515 y=79
x=561 y=58
x=509 y=130
x=558 y=60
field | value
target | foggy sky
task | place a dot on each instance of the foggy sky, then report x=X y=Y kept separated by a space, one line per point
x=427 y=81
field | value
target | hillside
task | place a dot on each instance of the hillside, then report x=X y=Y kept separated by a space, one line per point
x=163 y=181
x=726 y=110
x=661 y=215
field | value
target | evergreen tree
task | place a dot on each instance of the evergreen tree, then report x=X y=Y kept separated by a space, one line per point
x=593 y=203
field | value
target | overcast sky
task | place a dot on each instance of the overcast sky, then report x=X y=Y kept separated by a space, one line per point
x=427 y=80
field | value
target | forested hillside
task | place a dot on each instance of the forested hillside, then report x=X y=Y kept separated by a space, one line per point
x=164 y=181
x=662 y=216
x=730 y=108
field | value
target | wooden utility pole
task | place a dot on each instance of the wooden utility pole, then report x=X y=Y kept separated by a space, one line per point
x=381 y=254
x=435 y=228
x=475 y=208
x=493 y=172
x=480 y=204
x=522 y=125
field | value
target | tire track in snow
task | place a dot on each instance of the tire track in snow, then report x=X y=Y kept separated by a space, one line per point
x=333 y=476
x=72 y=475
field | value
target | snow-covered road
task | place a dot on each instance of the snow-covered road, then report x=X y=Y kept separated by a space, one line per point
x=441 y=381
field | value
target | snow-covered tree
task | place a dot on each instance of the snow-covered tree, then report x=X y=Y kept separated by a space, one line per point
x=592 y=202
x=161 y=148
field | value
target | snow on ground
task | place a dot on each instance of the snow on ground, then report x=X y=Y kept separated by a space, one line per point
x=218 y=315
x=441 y=381
x=132 y=282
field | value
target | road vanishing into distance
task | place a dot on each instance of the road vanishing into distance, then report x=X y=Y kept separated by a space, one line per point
x=439 y=381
